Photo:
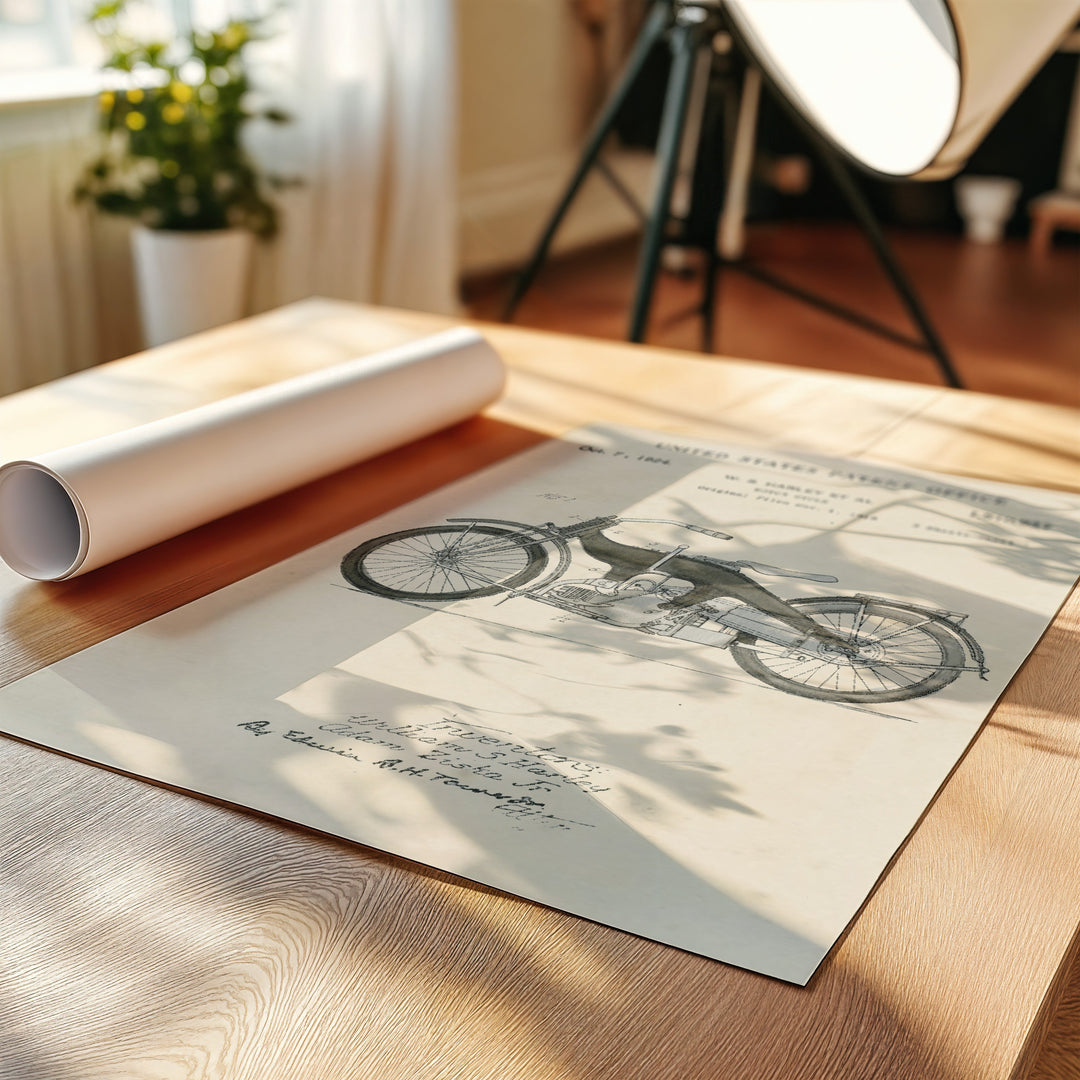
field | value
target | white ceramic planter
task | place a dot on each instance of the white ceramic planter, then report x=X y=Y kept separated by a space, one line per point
x=986 y=203
x=189 y=281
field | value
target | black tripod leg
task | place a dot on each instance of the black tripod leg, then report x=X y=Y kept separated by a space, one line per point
x=869 y=223
x=709 y=287
x=653 y=30
x=685 y=40
x=716 y=200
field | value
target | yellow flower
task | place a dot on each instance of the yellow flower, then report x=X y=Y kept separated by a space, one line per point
x=181 y=91
x=135 y=121
x=172 y=113
x=135 y=96
x=106 y=100
x=233 y=36
x=170 y=168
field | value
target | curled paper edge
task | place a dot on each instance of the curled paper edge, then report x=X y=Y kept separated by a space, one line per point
x=44 y=532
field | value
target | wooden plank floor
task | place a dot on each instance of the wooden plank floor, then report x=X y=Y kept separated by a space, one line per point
x=1011 y=320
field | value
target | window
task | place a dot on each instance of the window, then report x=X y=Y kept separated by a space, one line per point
x=37 y=34
x=47 y=50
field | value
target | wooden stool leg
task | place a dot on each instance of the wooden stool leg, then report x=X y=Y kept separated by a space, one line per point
x=1042 y=232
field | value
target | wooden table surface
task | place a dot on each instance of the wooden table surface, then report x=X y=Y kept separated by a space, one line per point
x=150 y=934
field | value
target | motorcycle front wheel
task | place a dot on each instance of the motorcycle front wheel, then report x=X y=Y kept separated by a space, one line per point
x=896 y=653
x=444 y=562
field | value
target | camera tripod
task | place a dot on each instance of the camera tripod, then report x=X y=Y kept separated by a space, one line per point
x=690 y=27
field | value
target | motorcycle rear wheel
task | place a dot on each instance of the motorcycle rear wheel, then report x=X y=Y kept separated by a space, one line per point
x=444 y=562
x=899 y=653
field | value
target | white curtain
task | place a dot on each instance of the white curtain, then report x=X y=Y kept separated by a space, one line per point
x=372 y=88
x=49 y=322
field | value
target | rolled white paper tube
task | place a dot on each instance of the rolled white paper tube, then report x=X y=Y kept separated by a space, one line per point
x=69 y=511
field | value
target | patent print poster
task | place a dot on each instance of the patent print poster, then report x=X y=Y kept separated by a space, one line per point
x=694 y=692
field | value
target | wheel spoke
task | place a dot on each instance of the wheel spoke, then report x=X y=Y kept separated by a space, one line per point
x=906 y=629
x=889 y=672
x=460 y=540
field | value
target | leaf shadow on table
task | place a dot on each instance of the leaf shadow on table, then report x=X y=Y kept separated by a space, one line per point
x=201 y=941
x=211 y=942
x=222 y=944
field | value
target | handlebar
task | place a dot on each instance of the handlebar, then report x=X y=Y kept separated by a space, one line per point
x=779 y=571
x=682 y=524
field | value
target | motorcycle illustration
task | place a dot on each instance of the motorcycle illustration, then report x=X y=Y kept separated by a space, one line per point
x=854 y=649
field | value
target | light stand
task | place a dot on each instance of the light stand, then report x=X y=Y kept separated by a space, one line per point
x=690 y=27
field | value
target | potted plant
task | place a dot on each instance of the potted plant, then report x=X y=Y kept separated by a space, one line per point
x=172 y=158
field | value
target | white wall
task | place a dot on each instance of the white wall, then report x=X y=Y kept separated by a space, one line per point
x=527 y=92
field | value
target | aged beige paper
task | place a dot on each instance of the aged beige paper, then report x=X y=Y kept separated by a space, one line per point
x=696 y=692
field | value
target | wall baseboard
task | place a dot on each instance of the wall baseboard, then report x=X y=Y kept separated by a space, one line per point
x=503 y=209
